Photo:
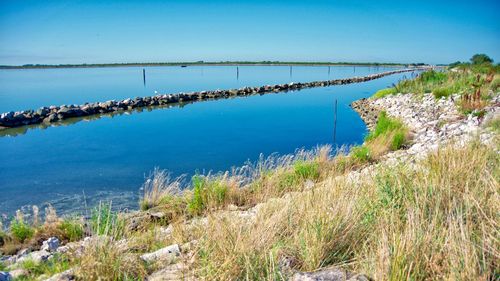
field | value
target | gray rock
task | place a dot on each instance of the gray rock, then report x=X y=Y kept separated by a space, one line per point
x=308 y=184
x=63 y=110
x=63 y=249
x=157 y=215
x=51 y=118
x=39 y=256
x=167 y=254
x=7 y=115
x=170 y=272
x=16 y=273
x=24 y=252
x=72 y=248
x=63 y=276
x=166 y=231
x=329 y=274
x=4 y=258
x=232 y=207
x=51 y=244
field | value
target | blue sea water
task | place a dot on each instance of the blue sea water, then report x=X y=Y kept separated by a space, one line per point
x=109 y=158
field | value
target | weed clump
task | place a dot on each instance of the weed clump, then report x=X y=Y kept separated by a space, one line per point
x=442 y=92
x=57 y=263
x=104 y=221
x=20 y=230
x=473 y=82
x=389 y=130
x=208 y=193
x=103 y=259
x=307 y=170
x=388 y=134
x=158 y=188
x=385 y=92
x=361 y=153
x=72 y=229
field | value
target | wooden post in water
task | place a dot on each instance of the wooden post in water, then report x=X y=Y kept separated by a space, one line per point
x=237 y=73
x=144 y=76
x=328 y=70
x=335 y=123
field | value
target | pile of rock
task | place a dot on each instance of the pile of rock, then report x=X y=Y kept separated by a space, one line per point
x=56 y=113
x=49 y=247
x=431 y=121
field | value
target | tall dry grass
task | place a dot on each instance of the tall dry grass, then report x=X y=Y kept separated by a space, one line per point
x=103 y=259
x=437 y=221
x=158 y=186
x=242 y=186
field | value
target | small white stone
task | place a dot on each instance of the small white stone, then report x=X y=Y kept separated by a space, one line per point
x=167 y=254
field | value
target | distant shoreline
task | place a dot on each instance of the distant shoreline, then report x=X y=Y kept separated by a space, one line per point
x=201 y=63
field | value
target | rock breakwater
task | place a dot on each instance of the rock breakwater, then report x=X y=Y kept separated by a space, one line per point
x=53 y=113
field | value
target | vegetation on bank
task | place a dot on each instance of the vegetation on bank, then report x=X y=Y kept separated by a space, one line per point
x=398 y=223
x=474 y=82
x=206 y=63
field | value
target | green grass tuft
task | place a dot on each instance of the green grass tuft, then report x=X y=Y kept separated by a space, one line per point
x=495 y=125
x=398 y=139
x=495 y=84
x=385 y=126
x=307 y=170
x=72 y=229
x=442 y=92
x=56 y=264
x=385 y=92
x=361 y=153
x=104 y=221
x=21 y=231
x=207 y=193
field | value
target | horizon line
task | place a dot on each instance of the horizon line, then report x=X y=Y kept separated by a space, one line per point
x=201 y=62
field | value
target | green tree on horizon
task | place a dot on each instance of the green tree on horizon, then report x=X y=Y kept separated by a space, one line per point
x=481 y=59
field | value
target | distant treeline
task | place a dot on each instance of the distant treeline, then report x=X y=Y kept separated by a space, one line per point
x=204 y=63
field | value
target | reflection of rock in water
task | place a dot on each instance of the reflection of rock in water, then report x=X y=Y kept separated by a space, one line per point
x=53 y=114
x=16 y=131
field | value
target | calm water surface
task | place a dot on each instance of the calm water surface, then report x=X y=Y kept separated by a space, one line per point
x=110 y=157
x=32 y=88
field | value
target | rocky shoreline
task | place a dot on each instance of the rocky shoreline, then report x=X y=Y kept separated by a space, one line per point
x=432 y=122
x=367 y=112
x=54 y=113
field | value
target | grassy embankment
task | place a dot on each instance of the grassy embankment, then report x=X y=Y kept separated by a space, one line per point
x=436 y=221
x=473 y=82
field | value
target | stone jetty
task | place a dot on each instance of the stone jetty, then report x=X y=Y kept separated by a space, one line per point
x=53 y=113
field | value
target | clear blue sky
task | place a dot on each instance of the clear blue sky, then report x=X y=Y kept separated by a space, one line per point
x=149 y=31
